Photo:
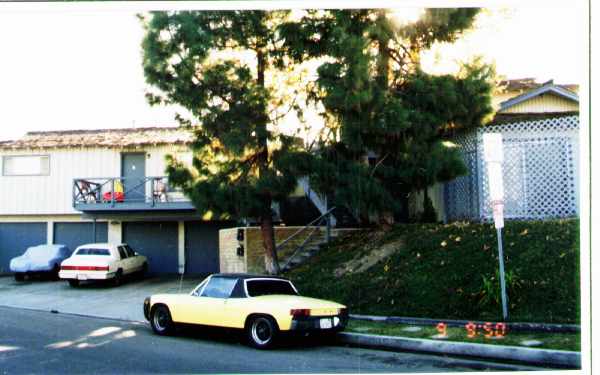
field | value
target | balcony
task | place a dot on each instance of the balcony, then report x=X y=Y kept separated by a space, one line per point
x=112 y=194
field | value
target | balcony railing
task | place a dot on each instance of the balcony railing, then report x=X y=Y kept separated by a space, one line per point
x=127 y=194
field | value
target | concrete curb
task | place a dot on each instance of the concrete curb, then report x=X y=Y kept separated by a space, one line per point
x=512 y=326
x=560 y=358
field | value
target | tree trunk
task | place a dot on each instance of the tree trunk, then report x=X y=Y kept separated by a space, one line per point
x=268 y=236
x=266 y=219
x=383 y=61
x=385 y=219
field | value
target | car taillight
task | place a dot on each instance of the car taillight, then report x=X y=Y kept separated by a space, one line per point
x=84 y=268
x=300 y=312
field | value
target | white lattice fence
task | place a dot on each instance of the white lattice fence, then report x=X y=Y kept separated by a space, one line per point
x=461 y=195
x=540 y=172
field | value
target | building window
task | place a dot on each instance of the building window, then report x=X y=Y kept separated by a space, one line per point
x=38 y=165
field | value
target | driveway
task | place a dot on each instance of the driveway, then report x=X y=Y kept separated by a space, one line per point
x=99 y=299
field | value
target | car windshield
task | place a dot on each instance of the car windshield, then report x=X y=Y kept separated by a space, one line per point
x=86 y=251
x=269 y=286
x=46 y=251
x=219 y=287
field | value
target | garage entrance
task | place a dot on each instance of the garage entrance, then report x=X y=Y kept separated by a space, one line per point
x=77 y=234
x=155 y=240
x=15 y=238
x=202 y=246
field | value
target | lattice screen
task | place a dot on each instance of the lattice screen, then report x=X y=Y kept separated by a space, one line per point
x=540 y=172
x=461 y=195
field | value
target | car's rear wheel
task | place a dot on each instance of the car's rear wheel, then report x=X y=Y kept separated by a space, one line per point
x=144 y=270
x=19 y=276
x=118 y=280
x=73 y=283
x=262 y=332
x=160 y=320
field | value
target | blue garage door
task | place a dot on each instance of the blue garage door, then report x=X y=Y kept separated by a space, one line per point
x=202 y=247
x=15 y=238
x=76 y=234
x=157 y=241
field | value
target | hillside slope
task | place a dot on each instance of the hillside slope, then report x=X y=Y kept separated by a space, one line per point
x=450 y=271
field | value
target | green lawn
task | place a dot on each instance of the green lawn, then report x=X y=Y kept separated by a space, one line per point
x=449 y=272
x=560 y=341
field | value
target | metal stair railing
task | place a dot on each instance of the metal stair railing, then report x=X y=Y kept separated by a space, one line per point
x=317 y=223
x=319 y=201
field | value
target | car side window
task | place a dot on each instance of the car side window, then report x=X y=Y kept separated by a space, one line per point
x=219 y=287
x=129 y=250
x=122 y=252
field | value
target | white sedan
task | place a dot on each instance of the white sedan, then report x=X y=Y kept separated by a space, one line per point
x=102 y=261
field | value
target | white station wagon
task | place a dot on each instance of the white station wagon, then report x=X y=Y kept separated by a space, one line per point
x=102 y=261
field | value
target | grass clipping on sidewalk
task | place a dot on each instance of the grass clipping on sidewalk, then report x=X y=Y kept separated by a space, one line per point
x=450 y=271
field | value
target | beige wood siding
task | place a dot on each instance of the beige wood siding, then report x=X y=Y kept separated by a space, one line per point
x=544 y=103
x=52 y=194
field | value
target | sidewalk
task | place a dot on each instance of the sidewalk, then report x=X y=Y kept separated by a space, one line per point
x=550 y=345
x=513 y=326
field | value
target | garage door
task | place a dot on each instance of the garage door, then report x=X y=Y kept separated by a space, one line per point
x=202 y=247
x=75 y=234
x=16 y=237
x=157 y=241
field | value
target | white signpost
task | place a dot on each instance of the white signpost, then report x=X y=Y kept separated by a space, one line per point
x=494 y=156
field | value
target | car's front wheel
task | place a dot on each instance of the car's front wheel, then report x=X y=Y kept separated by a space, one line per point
x=262 y=332
x=74 y=283
x=19 y=276
x=160 y=320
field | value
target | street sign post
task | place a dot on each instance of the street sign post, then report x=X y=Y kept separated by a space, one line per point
x=494 y=156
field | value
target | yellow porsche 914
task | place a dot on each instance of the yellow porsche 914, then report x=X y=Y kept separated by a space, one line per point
x=263 y=306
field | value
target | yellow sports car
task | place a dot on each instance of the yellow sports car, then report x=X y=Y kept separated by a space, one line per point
x=263 y=306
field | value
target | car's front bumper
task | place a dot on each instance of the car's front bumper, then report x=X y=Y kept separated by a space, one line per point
x=318 y=323
x=28 y=267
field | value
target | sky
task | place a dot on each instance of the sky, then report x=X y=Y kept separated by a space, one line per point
x=76 y=68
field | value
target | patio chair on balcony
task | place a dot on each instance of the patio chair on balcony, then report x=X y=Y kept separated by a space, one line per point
x=159 y=191
x=87 y=191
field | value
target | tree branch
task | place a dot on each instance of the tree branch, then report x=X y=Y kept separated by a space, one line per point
x=377 y=165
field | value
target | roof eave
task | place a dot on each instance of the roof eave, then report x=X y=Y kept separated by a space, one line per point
x=12 y=147
x=557 y=90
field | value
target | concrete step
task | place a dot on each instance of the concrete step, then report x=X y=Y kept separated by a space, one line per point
x=312 y=247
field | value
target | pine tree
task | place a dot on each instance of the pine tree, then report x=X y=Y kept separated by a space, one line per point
x=241 y=163
x=379 y=102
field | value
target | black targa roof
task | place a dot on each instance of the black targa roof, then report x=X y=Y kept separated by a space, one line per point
x=245 y=276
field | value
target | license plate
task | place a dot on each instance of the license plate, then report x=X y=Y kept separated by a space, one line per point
x=325 y=323
x=81 y=277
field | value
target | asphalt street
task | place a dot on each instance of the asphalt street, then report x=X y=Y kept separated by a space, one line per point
x=43 y=342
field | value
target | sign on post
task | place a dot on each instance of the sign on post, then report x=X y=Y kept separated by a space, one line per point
x=494 y=156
